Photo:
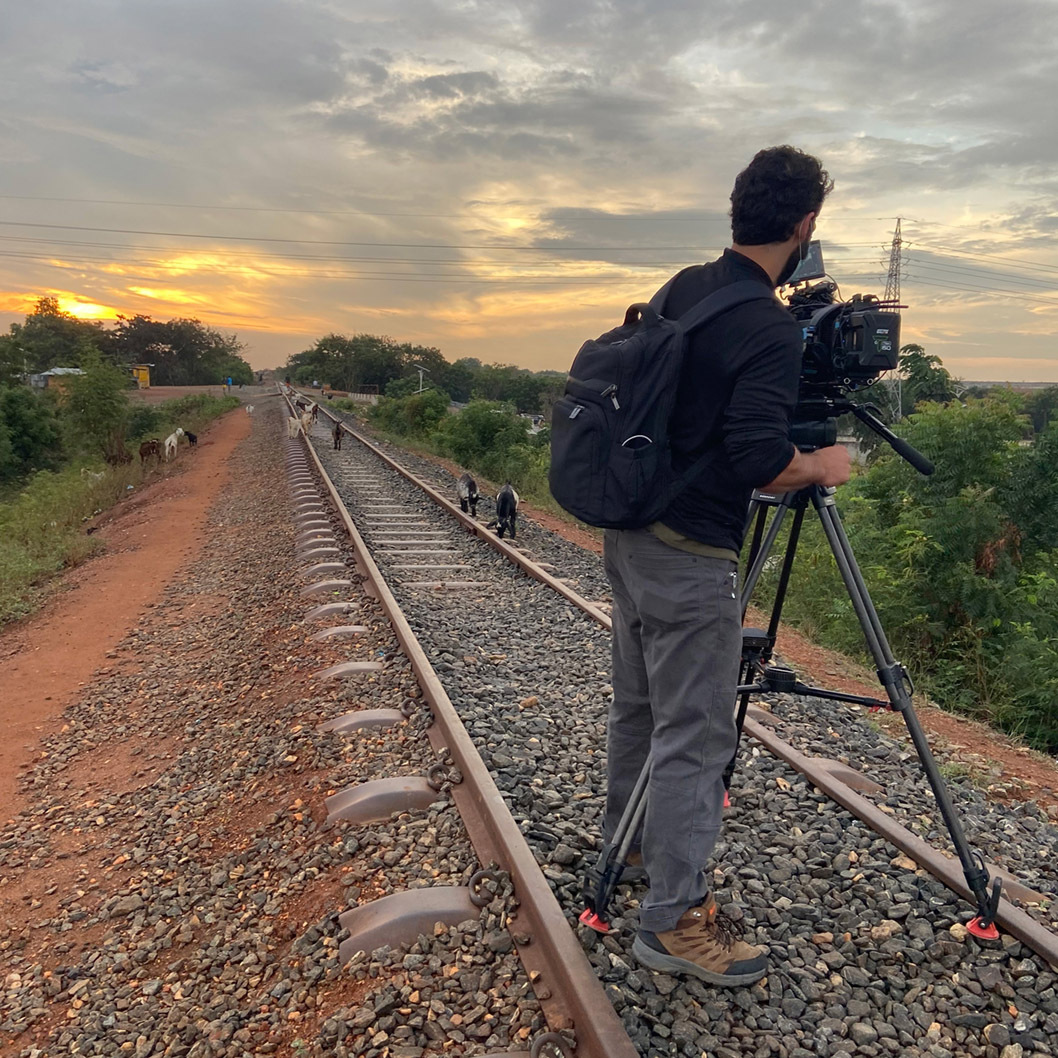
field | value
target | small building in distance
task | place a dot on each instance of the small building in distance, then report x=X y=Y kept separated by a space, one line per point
x=54 y=379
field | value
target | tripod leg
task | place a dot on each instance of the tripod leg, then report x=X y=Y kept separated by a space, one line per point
x=756 y=566
x=740 y=721
x=601 y=880
x=897 y=684
x=756 y=656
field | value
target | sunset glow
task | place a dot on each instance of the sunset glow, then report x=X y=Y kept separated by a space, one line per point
x=495 y=187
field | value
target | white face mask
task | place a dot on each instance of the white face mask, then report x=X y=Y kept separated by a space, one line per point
x=794 y=260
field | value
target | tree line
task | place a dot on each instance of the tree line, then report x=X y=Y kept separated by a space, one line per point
x=962 y=565
x=183 y=352
x=392 y=368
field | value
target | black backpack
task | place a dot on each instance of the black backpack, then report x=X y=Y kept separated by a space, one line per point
x=610 y=459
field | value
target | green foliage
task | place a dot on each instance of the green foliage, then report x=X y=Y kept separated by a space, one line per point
x=488 y=438
x=48 y=338
x=1040 y=406
x=42 y=524
x=183 y=352
x=415 y=415
x=481 y=431
x=529 y=392
x=405 y=387
x=96 y=407
x=30 y=436
x=962 y=565
x=41 y=529
x=363 y=360
x=925 y=379
x=145 y=420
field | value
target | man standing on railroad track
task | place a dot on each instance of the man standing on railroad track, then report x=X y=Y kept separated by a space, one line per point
x=676 y=611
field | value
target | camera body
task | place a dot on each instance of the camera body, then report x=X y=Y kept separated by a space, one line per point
x=847 y=344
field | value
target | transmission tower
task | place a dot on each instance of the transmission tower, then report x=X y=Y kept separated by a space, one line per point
x=892 y=284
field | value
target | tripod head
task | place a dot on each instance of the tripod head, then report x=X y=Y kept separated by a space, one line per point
x=815 y=426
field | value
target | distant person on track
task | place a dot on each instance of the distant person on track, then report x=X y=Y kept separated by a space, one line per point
x=676 y=610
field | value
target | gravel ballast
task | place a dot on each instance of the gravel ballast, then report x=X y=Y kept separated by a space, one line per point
x=869 y=955
x=172 y=888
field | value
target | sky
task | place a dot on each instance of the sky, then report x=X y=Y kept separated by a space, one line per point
x=500 y=179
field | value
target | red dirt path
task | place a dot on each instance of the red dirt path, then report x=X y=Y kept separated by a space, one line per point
x=46 y=658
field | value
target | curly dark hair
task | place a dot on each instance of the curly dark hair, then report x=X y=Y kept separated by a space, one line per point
x=779 y=187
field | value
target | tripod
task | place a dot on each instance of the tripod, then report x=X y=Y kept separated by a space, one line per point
x=758 y=676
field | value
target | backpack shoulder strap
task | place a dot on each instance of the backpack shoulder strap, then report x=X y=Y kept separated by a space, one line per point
x=723 y=299
x=709 y=308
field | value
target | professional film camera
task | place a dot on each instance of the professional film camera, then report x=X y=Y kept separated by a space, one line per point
x=848 y=345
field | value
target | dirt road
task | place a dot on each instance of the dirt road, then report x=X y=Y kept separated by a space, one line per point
x=47 y=658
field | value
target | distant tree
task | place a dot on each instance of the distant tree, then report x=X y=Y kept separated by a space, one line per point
x=362 y=360
x=1040 y=406
x=458 y=379
x=924 y=379
x=96 y=407
x=184 y=352
x=48 y=338
x=34 y=438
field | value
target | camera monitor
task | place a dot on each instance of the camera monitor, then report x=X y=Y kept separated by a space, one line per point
x=811 y=267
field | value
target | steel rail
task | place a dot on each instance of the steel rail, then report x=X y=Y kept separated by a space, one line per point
x=1015 y=921
x=542 y=935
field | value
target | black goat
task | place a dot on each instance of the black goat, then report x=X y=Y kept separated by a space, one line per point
x=467 y=491
x=338 y=436
x=506 y=512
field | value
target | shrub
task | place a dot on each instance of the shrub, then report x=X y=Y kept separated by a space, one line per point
x=31 y=429
x=145 y=421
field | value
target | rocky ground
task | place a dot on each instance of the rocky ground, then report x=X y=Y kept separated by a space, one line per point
x=869 y=953
x=171 y=887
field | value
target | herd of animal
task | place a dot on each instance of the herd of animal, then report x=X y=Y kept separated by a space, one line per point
x=309 y=413
x=506 y=520
x=155 y=448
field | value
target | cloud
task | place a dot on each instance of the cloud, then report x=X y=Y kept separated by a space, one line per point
x=482 y=147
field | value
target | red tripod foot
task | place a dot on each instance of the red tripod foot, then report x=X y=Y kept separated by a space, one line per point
x=592 y=921
x=988 y=932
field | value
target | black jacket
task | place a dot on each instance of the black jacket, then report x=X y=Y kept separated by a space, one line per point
x=737 y=391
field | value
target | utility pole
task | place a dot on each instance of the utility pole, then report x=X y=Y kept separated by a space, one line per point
x=892 y=295
x=422 y=371
x=892 y=283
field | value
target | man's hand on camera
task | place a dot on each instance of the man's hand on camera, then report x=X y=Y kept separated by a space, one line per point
x=825 y=466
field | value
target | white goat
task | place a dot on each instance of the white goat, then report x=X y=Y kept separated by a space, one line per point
x=306 y=422
x=171 y=442
x=249 y=409
x=293 y=427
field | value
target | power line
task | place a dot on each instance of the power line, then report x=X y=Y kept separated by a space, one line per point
x=993 y=274
x=653 y=217
x=688 y=250
x=985 y=290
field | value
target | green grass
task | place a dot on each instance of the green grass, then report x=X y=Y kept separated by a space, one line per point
x=42 y=525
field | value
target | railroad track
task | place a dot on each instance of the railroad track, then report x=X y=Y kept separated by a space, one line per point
x=517 y=687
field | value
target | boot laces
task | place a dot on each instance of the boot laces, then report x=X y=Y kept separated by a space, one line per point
x=720 y=926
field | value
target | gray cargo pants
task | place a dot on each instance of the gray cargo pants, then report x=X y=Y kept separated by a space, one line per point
x=676 y=647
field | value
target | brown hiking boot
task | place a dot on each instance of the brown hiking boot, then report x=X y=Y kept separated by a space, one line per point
x=634 y=870
x=702 y=945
